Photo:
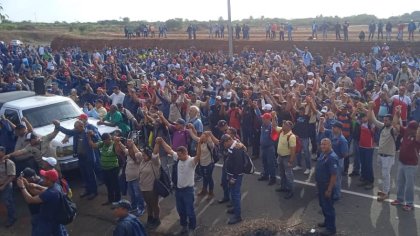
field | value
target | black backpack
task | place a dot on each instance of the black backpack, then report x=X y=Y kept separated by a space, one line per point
x=215 y=153
x=249 y=167
x=66 y=211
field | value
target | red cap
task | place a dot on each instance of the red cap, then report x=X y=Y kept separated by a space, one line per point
x=51 y=175
x=266 y=116
x=83 y=117
x=123 y=77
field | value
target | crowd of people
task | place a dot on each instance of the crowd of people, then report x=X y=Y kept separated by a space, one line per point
x=178 y=112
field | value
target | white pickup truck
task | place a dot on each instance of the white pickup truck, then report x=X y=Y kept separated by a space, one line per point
x=41 y=110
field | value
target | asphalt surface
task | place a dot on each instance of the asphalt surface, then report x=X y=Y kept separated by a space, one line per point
x=358 y=212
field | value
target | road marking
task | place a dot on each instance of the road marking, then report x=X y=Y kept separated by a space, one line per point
x=205 y=208
x=342 y=190
x=244 y=195
x=215 y=222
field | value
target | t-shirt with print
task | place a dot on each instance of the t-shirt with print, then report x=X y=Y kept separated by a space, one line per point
x=7 y=168
x=109 y=159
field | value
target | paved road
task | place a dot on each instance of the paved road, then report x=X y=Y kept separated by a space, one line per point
x=358 y=213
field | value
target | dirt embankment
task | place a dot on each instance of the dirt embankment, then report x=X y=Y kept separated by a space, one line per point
x=325 y=48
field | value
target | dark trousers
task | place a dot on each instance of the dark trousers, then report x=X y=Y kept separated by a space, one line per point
x=225 y=185
x=312 y=136
x=185 y=207
x=366 y=161
x=112 y=184
x=327 y=206
x=235 y=194
x=256 y=143
x=207 y=172
x=268 y=156
x=87 y=169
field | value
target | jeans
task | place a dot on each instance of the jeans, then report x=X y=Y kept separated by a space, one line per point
x=235 y=194
x=86 y=165
x=405 y=183
x=112 y=184
x=337 y=187
x=268 y=155
x=185 y=207
x=286 y=173
x=207 y=172
x=327 y=206
x=356 y=155
x=312 y=136
x=306 y=153
x=44 y=228
x=137 y=201
x=6 y=197
x=366 y=161
x=386 y=163
x=225 y=185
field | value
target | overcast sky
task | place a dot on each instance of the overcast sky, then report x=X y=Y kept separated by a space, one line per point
x=162 y=10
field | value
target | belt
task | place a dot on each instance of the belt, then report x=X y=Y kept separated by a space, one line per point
x=383 y=155
x=287 y=156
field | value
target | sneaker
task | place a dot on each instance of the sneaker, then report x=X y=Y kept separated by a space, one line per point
x=297 y=168
x=230 y=211
x=380 y=193
x=369 y=186
x=272 y=181
x=262 y=178
x=307 y=172
x=234 y=220
x=326 y=233
x=382 y=198
x=396 y=203
x=11 y=223
x=353 y=174
x=321 y=225
x=407 y=207
x=221 y=201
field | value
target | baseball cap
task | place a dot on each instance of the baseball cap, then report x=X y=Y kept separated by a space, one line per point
x=266 y=116
x=180 y=121
x=161 y=75
x=124 y=204
x=20 y=126
x=413 y=125
x=310 y=74
x=50 y=160
x=218 y=98
x=30 y=136
x=267 y=107
x=51 y=175
x=28 y=172
x=292 y=83
x=324 y=109
x=221 y=123
x=337 y=124
x=310 y=82
x=224 y=138
x=83 y=117
x=2 y=149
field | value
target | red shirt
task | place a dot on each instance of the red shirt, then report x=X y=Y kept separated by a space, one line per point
x=409 y=150
x=366 y=137
x=234 y=118
x=359 y=84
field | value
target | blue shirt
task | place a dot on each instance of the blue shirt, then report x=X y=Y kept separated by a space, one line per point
x=326 y=166
x=129 y=226
x=339 y=143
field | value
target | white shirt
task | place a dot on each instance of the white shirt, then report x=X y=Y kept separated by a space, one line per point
x=117 y=98
x=186 y=171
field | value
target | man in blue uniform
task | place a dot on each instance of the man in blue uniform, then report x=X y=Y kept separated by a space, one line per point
x=325 y=176
x=267 y=151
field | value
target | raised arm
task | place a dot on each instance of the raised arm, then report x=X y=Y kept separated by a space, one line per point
x=28 y=125
x=165 y=146
x=198 y=156
x=89 y=137
x=163 y=119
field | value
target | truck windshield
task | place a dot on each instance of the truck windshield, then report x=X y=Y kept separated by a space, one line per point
x=42 y=116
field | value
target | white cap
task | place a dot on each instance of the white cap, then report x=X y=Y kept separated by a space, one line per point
x=324 y=109
x=310 y=74
x=50 y=160
x=218 y=97
x=267 y=107
x=292 y=83
x=337 y=90
x=222 y=74
x=310 y=82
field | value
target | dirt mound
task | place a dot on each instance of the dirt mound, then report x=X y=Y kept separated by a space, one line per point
x=325 y=48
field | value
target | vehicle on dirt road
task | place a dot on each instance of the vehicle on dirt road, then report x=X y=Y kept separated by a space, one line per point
x=41 y=110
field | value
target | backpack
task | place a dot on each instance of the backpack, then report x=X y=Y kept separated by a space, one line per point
x=298 y=147
x=66 y=211
x=215 y=153
x=249 y=167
